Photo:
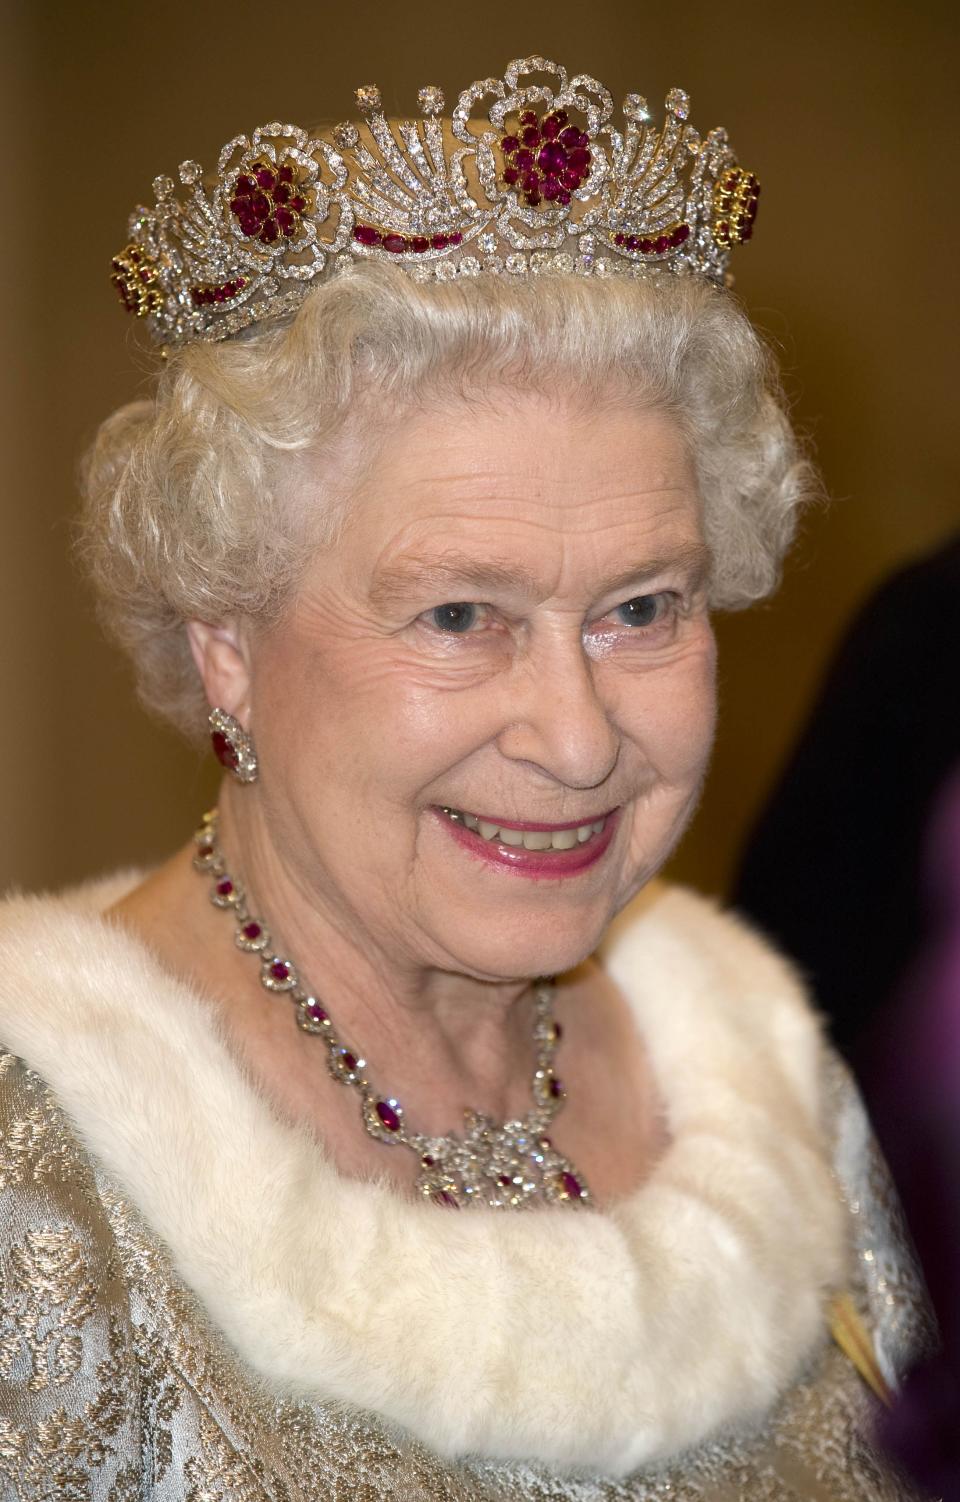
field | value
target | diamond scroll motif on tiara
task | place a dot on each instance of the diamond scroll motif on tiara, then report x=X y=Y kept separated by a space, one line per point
x=531 y=174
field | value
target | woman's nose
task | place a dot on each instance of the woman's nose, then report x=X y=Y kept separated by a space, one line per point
x=555 y=719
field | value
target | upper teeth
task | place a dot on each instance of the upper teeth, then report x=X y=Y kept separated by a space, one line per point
x=531 y=839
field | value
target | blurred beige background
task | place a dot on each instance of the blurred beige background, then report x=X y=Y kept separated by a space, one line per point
x=844 y=110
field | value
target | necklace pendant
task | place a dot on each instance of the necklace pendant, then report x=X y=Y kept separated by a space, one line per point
x=510 y=1167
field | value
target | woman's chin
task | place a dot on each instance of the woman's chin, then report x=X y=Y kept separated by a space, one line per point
x=512 y=949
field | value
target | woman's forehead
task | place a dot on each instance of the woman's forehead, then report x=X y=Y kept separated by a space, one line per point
x=524 y=457
x=524 y=501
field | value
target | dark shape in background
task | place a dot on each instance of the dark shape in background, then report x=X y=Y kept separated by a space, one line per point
x=854 y=870
x=832 y=871
x=912 y=1074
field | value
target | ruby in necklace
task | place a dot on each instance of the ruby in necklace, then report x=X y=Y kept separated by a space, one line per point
x=508 y=1165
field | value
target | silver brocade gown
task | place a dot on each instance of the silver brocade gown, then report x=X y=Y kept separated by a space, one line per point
x=114 y=1386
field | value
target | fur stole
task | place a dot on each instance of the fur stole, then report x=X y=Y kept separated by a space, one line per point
x=602 y=1341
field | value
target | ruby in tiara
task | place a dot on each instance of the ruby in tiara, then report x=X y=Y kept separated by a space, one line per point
x=368 y=234
x=735 y=202
x=223 y=292
x=655 y=245
x=545 y=158
x=135 y=276
x=268 y=201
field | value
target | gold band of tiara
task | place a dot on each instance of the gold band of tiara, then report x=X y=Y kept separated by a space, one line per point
x=541 y=181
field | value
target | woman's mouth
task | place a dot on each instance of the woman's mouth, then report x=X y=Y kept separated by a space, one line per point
x=529 y=848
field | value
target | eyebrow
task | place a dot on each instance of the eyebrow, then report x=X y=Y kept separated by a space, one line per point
x=416 y=575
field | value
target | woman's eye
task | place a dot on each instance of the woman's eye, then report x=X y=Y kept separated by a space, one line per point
x=643 y=610
x=455 y=619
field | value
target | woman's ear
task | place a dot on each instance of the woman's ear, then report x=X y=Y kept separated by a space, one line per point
x=221 y=658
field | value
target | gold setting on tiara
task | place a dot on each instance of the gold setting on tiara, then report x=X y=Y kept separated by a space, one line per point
x=540 y=180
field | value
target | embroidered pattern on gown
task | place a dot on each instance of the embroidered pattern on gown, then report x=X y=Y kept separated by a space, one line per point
x=114 y=1386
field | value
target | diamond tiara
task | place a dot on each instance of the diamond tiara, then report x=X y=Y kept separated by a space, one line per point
x=542 y=181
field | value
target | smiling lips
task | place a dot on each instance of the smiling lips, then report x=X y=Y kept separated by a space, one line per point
x=534 y=849
x=531 y=836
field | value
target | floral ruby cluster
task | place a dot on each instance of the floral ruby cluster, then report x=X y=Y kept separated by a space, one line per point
x=367 y=234
x=268 y=203
x=655 y=245
x=202 y=296
x=546 y=158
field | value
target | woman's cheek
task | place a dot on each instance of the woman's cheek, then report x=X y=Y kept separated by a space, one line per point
x=666 y=704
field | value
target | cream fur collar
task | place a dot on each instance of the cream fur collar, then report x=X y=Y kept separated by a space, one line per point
x=602 y=1341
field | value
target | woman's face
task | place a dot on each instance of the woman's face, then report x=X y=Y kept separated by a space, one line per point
x=513 y=626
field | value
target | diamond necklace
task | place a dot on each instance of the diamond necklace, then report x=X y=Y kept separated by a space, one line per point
x=506 y=1166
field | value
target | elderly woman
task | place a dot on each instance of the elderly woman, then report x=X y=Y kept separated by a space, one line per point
x=458 y=442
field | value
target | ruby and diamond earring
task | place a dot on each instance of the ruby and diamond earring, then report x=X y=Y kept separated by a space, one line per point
x=232 y=746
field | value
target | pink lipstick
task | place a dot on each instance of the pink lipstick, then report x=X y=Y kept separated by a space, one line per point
x=542 y=864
